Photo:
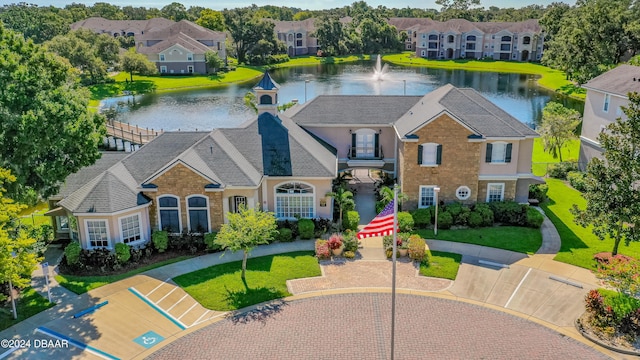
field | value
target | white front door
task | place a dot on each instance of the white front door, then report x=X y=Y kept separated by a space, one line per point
x=365 y=144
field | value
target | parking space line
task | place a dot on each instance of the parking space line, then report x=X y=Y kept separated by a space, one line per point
x=8 y=352
x=157 y=287
x=164 y=297
x=517 y=288
x=201 y=316
x=185 y=313
x=76 y=343
x=177 y=322
x=178 y=302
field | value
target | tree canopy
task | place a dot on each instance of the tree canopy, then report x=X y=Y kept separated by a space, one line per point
x=47 y=131
x=132 y=61
x=558 y=126
x=613 y=185
x=251 y=34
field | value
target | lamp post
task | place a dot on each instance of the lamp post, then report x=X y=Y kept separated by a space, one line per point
x=436 y=190
x=13 y=300
x=305 y=89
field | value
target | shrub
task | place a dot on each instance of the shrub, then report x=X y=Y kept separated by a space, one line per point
x=306 y=228
x=405 y=221
x=509 y=212
x=322 y=249
x=123 y=252
x=605 y=258
x=485 y=211
x=422 y=217
x=160 y=239
x=284 y=235
x=577 y=180
x=475 y=219
x=350 y=242
x=351 y=220
x=387 y=241
x=538 y=192
x=322 y=226
x=560 y=170
x=335 y=241
x=209 y=240
x=349 y=254
x=417 y=248
x=630 y=323
x=534 y=218
x=102 y=259
x=72 y=252
x=445 y=220
x=454 y=209
x=463 y=217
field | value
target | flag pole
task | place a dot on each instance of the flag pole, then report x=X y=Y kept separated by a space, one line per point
x=393 y=278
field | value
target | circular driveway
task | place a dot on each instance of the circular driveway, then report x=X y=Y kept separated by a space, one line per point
x=358 y=326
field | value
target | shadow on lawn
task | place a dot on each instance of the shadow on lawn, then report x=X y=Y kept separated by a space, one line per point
x=569 y=239
x=243 y=298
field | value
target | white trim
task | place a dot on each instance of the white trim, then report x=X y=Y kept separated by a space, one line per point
x=114 y=213
x=179 y=211
x=163 y=69
x=136 y=242
x=498 y=177
x=208 y=208
x=275 y=198
x=591 y=142
x=501 y=192
x=420 y=206
x=463 y=187
x=214 y=189
x=87 y=238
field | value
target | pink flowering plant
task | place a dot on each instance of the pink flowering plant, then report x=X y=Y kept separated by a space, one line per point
x=322 y=249
x=335 y=241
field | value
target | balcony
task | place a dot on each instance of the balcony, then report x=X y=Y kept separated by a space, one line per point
x=365 y=156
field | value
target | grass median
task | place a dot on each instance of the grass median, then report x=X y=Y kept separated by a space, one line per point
x=28 y=304
x=513 y=238
x=221 y=288
x=441 y=264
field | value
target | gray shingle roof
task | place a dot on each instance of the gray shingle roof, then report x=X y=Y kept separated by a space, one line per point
x=79 y=179
x=469 y=107
x=349 y=110
x=619 y=80
x=106 y=193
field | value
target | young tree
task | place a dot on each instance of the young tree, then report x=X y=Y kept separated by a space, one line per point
x=343 y=199
x=46 y=131
x=558 y=126
x=132 y=61
x=613 y=185
x=213 y=60
x=245 y=230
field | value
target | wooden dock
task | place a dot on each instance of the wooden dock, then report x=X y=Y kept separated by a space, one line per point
x=131 y=133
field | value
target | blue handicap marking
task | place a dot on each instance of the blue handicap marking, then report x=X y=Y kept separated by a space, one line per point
x=148 y=339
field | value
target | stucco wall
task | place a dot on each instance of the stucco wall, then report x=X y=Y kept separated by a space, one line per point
x=500 y=168
x=340 y=138
x=113 y=226
x=594 y=116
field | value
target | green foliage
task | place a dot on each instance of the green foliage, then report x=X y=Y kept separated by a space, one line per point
x=351 y=220
x=441 y=264
x=160 y=239
x=342 y=198
x=445 y=220
x=417 y=248
x=558 y=127
x=251 y=34
x=387 y=240
x=322 y=249
x=509 y=212
x=560 y=170
x=475 y=219
x=485 y=211
x=621 y=274
x=211 y=19
x=41 y=96
x=577 y=180
x=284 y=235
x=534 y=218
x=405 y=221
x=213 y=60
x=306 y=228
x=246 y=229
x=210 y=241
x=538 y=192
x=349 y=254
x=422 y=217
x=131 y=61
x=72 y=252
x=123 y=252
x=350 y=242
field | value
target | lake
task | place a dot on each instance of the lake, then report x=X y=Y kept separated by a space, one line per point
x=205 y=109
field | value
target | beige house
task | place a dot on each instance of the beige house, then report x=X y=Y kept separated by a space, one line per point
x=606 y=94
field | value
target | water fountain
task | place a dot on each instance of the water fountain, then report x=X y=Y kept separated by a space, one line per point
x=379 y=71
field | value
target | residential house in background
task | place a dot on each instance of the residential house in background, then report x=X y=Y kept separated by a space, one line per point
x=297 y=36
x=175 y=47
x=450 y=138
x=606 y=94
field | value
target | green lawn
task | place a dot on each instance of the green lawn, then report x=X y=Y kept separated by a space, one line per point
x=441 y=265
x=578 y=243
x=549 y=78
x=34 y=215
x=541 y=159
x=221 y=288
x=513 y=238
x=82 y=284
x=29 y=304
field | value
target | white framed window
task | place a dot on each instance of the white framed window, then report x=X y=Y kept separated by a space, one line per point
x=463 y=193
x=607 y=100
x=294 y=199
x=130 y=229
x=163 y=69
x=495 y=192
x=427 y=196
x=198 y=210
x=62 y=223
x=498 y=152
x=365 y=143
x=169 y=213
x=161 y=57
x=190 y=69
x=423 y=53
x=97 y=233
x=189 y=57
x=431 y=154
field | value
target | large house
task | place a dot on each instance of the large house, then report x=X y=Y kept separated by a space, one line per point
x=451 y=138
x=606 y=94
x=175 y=47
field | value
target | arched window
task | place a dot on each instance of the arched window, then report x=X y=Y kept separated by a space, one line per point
x=433 y=37
x=294 y=199
x=526 y=40
x=430 y=154
x=266 y=100
x=450 y=38
x=169 y=209
x=471 y=38
x=290 y=37
x=198 y=210
x=506 y=38
x=298 y=36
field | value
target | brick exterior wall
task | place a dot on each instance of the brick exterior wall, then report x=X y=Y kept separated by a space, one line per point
x=460 y=163
x=182 y=182
x=509 y=189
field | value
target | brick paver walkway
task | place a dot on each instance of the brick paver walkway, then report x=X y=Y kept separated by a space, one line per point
x=357 y=326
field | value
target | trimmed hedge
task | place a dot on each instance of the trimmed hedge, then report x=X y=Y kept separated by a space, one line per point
x=72 y=252
x=405 y=221
x=422 y=217
x=534 y=218
x=509 y=212
x=538 y=192
x=475 y=219
x=306 y=228
x=485 y=211
x=445 y=220
x=123 y=252
x=160 y=239
x=351 y=220
x=417 y=248
x=284 y=235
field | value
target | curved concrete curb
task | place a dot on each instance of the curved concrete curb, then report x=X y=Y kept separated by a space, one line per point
x=600 y=343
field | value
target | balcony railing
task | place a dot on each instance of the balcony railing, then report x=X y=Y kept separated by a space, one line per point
x=365 y=153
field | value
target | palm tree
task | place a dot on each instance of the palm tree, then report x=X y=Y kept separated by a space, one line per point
x=385 y=196
x=344 y=199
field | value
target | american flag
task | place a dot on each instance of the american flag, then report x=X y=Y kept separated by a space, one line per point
x=381 y=225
